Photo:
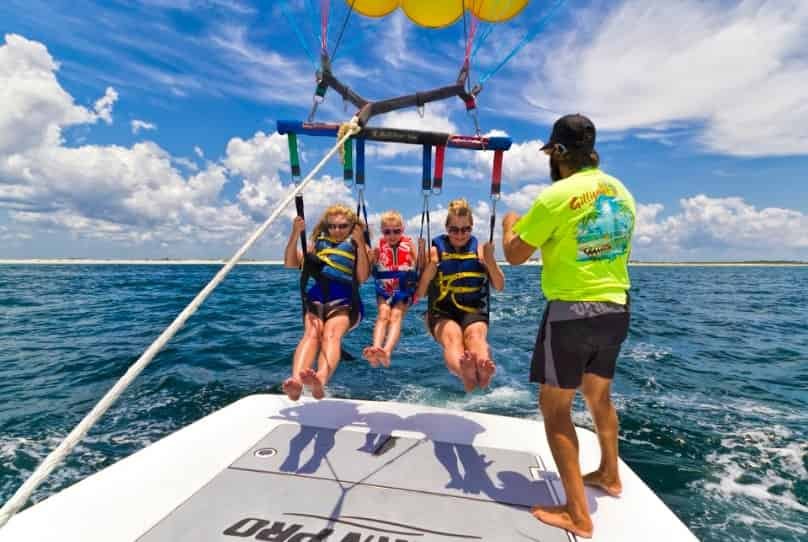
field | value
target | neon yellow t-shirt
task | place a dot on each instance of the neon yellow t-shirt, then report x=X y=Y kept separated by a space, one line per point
x=583 y=225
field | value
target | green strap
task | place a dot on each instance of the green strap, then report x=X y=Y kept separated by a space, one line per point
x=294 y=159
x=348 y=161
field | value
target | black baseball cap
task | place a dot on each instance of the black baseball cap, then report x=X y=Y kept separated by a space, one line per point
x=574 y=132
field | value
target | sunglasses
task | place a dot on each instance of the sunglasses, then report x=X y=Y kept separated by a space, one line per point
x=455 y=230
x=342 y=226
x=392 y=231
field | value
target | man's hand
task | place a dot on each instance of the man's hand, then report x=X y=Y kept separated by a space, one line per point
x=508 y=221
x=516 y=251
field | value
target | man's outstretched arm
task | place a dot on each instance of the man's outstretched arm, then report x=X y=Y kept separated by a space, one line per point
x=516 y=251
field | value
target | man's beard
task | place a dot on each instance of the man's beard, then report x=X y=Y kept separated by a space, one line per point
x=555 y=171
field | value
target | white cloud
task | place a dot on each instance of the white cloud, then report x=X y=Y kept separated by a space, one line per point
x=199 y=152
x=522 y=162
x=734 y=72
x=33 y=106
x=138 y=125
x=522 y=199
x=101 y=192
x=715 y=228
x=259 y=160
x=103 y=106
x=260 y=155
x=185 y=162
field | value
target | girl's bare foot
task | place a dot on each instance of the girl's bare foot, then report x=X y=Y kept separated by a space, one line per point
x=468 y=371
x=609 y=484
x=384 y=357
x=310 y=378
x=485 y=371
x=292 y=388
x=369 y=353
x=558 y=516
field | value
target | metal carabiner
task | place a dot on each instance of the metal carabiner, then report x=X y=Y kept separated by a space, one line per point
x=315 y=103
x=473 y=114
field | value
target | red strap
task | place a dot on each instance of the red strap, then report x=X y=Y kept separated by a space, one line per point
x=496 y=173
x=472 y=31
x=437 y=181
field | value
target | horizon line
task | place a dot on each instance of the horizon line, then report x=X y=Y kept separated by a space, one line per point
x=222 y=261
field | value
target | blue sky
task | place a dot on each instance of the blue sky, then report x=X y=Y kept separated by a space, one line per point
x=146 y=129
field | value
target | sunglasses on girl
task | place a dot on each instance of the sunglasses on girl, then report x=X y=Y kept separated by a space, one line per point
x=455 y=230
x=391 y=231
x=341 y=226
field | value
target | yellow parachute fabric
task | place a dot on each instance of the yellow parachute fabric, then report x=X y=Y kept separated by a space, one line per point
x=440 y=13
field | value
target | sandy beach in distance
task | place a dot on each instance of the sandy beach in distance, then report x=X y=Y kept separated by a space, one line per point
x=90 y=261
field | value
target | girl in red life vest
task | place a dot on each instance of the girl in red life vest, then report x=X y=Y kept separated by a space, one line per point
x=395 y=270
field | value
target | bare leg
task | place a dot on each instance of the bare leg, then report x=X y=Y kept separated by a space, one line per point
x=393 y=331
x=474 y=338
x=373 y=353
x=304 y=355
x=597 y=392
x=556 y=407
x=450 y=337
x=333 y=330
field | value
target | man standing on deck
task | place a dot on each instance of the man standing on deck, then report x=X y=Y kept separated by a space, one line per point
x=583 y=225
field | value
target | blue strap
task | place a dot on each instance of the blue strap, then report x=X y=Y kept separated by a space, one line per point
x=483 y=36
x=527 y=39
x=360 y=163
x=426 y=176
x=296 y=28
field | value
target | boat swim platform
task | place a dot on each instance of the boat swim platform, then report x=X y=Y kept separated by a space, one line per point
x=267 y=468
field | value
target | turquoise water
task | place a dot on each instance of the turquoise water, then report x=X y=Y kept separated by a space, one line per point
x=711 y=388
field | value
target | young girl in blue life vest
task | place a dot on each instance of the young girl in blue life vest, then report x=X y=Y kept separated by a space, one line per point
x=395 y=263
x=337 y=260
x=457 y=279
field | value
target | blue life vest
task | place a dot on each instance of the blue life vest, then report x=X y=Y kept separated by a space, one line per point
x=339 y=258
x=461 y=280
x=332 y=266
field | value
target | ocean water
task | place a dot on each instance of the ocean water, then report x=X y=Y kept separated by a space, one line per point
x=711 y=387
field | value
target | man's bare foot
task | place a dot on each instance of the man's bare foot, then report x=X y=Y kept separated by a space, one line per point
x=609 y=484
x=485 y=371
x=292 y=388
x=558 y=516
x=369 y=353
x=468 y=371
x=310 y=378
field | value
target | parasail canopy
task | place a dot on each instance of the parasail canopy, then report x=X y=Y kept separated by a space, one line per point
x=440 y=13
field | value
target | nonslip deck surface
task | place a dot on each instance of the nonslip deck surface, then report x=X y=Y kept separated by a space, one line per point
x=302 y=483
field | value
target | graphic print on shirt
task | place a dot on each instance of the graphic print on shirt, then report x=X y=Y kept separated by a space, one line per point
x=605 y=232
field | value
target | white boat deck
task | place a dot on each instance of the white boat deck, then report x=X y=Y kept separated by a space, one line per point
x=265 y=468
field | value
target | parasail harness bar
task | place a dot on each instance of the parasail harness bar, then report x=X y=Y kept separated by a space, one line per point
x=367 y=109
x=397 y=135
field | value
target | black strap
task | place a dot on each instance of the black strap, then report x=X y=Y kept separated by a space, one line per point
x=360 y=205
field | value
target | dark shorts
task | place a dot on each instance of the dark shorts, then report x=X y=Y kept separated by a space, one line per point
x=464 y=319
x=576 y=338
x=325 y=310
x=394 y=299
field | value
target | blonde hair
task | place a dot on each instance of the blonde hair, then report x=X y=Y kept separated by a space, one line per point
x=336 y=209
x=459 y=208
x=391 y=216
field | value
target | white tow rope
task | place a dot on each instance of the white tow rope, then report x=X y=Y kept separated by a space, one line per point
x=55 y=457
